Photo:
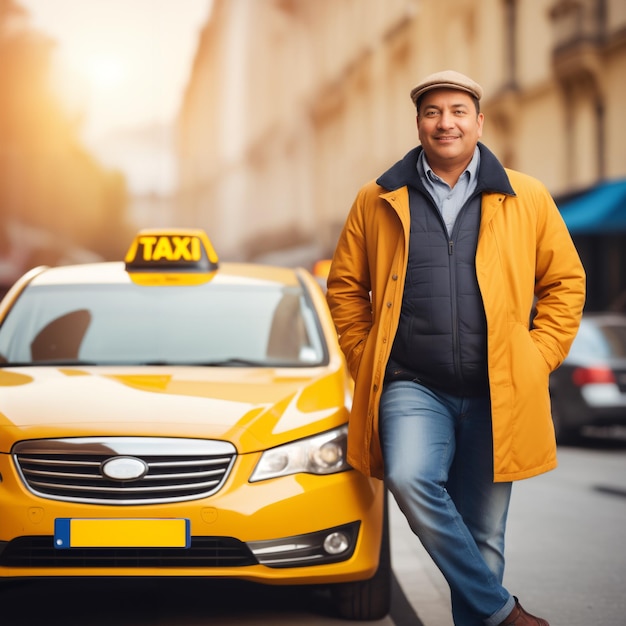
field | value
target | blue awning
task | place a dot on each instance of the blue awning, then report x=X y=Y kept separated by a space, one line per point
x=600 y=210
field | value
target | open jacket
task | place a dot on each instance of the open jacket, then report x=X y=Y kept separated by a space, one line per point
x=525 y=258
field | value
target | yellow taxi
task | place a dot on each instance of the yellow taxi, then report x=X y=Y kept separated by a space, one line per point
x=173 y=415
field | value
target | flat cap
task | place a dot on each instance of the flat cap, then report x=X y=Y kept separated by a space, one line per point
x=448 y=79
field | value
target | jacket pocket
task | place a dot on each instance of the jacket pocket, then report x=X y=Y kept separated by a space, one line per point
x=530 y=369
x=355 y=356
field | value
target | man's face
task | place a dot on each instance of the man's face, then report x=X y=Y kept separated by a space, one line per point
x=448 y=127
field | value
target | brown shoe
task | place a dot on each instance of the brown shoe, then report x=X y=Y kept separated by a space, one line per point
x=519 y=617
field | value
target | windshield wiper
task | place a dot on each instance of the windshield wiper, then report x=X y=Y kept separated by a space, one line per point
x=52 y=363
x=232 y=362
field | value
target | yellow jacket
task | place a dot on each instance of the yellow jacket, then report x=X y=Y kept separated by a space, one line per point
x=524 y=256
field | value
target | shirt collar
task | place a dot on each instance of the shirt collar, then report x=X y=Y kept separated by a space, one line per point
x=424 y=169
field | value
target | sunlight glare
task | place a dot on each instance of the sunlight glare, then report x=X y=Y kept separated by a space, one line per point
x=105 y=71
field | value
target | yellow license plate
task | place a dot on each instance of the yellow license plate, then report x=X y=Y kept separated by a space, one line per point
x=121 y=533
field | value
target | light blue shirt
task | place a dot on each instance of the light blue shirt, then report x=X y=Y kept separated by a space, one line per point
x=449 y=200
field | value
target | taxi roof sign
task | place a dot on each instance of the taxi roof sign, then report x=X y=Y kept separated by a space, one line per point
x=171 y=251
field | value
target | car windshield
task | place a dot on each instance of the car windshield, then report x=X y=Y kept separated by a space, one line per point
x=264 y=324
x=601 y=341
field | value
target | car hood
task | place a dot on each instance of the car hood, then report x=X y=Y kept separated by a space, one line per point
x=255 y=408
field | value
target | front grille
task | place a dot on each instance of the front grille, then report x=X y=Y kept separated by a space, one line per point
x=204 y=552
x=71 y=469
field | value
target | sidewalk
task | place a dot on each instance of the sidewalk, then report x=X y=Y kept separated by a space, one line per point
x=421 y=582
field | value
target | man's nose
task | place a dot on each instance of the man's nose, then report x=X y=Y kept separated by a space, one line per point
x=446 y=119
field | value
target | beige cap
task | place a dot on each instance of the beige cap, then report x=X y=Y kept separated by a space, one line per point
x=448 y=79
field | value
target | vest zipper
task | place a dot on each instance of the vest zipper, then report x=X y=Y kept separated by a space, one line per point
x=453 y=303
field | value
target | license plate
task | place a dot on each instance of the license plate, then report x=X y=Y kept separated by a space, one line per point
x=121 y=533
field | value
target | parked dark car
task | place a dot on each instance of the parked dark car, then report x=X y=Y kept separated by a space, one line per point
x=589 y=389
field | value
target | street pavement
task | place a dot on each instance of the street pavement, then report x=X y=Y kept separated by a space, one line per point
x=422 y=583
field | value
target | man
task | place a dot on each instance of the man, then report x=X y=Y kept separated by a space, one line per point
x=455 y=289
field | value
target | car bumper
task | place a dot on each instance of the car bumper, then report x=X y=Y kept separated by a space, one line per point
x=597 y=405
x=271 y=531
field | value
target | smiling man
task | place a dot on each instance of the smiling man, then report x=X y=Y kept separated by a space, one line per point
x=432 y=289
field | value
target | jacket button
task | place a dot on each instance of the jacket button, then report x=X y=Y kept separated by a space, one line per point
x=375 y=387
x=389 y=305
x=394 y=277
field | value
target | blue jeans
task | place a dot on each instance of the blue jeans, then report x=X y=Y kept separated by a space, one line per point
x=438 y=457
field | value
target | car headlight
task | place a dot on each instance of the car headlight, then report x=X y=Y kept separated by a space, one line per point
x=321 y=454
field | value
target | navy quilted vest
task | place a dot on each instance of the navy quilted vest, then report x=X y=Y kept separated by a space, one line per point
x=442 y=336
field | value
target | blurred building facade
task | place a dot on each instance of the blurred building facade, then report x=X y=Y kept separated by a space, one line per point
x=293 y=104
x=58 y=204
